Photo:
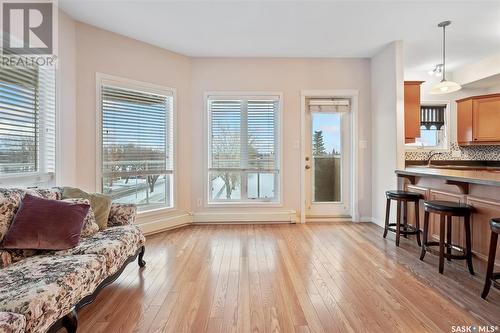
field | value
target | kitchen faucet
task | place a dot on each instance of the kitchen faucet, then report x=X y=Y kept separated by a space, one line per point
x=431 y=155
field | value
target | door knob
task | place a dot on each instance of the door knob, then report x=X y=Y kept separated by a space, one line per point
x=307 y=158
x=308 y=167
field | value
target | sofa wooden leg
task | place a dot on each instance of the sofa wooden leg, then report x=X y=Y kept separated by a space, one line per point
x=70 y=321
x=140 y=260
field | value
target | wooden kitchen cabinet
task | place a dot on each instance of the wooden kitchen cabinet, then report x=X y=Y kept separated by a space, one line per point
x=486 y=119
x=464 y=122
x=411 y=207
x=412 y=110
x=478 y=119
x=484 y=211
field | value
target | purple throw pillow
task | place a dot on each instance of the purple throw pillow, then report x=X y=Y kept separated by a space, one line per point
x=43 y=224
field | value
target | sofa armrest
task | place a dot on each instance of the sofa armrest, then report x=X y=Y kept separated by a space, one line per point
x=121 y=214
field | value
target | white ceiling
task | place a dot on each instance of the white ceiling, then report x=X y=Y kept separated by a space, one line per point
x=303 y=28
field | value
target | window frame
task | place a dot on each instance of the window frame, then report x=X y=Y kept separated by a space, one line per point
x=40 y=177
x=447 y=140
x=207 y=202
x=103 y=79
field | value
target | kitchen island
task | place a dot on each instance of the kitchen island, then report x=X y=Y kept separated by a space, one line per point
x=475 y=186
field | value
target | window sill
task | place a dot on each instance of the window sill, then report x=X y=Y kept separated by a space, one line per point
x=28 y=180
x=156 y=211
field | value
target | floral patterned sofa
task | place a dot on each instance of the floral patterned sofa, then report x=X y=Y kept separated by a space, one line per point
x=43 y=290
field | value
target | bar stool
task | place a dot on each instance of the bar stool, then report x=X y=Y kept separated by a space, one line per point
x=402 y=198
x=490 y=276
x=446 y=210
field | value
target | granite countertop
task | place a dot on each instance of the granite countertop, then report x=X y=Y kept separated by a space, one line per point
x=481 y=176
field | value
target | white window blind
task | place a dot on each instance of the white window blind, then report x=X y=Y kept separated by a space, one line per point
x=27 y=121
x=244 y=148
x=137 y=145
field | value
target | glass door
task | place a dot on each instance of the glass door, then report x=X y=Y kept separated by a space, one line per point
x=327 y=169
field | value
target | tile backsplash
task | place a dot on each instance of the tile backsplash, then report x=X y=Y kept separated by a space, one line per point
x=467 y=153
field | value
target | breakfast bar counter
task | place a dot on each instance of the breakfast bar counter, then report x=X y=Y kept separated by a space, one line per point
x=479 y=176
x=478 y=187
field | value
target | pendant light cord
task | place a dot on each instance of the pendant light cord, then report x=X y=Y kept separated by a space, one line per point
x=444 y=53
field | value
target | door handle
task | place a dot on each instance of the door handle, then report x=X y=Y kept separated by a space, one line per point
x=308 y=167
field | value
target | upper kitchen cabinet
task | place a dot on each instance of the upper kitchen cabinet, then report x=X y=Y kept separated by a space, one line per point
x=478 y=119
x=412 y=110
x=464 y=121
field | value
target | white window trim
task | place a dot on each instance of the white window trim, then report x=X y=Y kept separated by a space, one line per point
x=122 y=82
x=206 y=135
x=447 y=122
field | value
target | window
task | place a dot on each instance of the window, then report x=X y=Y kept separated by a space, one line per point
x=137 y=144
x=433 y=127
x=244 y=154
x=27 y=124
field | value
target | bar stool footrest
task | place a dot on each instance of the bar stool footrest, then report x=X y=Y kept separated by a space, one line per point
x=403 y=230
x=447 y=246
x=494 y=278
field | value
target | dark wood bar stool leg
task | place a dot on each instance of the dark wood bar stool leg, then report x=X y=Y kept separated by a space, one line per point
x=426 y=231
x=442 y=226
x=387 y=215
x=446 y=211
x=398 y=223
x=417 y=222
x=448 y=236
x=405 y=217
x=401 y=227
x=468 y=244
x=491 y=264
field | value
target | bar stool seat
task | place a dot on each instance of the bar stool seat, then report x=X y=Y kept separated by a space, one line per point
x=492 y=277
x=402 y=198
x=403 y=195
x=448 y=206
x=447 y=210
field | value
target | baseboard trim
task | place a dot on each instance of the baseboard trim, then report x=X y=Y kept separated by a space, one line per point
x=377 y=222
x=162 y=223
x=281 y=216
x=176 y=219
x=363 y=219
x=326 y=219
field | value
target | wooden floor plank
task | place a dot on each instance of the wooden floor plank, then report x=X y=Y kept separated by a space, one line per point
x=326 y=277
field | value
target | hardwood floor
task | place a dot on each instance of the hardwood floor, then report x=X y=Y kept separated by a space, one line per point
x=340 y=277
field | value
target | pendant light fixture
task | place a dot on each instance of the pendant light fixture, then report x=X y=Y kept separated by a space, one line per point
x=445 y=86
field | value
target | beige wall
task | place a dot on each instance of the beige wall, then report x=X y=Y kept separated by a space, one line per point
x=288 y=76
x=66 y=85
x=387 y=122
x=109 y=53
x=101 y=51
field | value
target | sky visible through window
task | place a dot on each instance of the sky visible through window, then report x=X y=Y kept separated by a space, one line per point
x=329 y=123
